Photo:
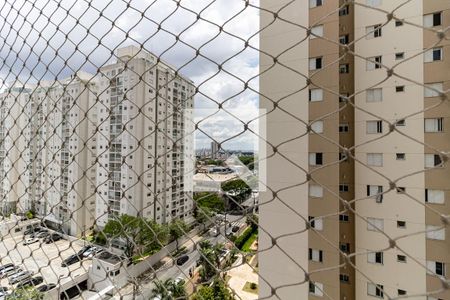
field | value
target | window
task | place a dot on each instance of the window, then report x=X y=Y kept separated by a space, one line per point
x=374 y=95
x=401 y=258
x=343 y=39
x=315 y=63
x=343 y=218
x=375 y=258
x=401 y=292
x=433 y=89
x=344 y=278
x=343 y=97
x=400 y=189
x=316 y=288
x=435 y=233
x=375 y=290
x=314 y=3
x=343 y=156
x=316 y=223
x=345 y=10
x=399 y=55
x=375 y=159
x=432 y=20
x=434 y=196
x=374 y=127
x=344 y=68
x=401 y=224
x=401 y=122
x=436 y=267
x=373 y=2
x=373 y=63
x=434 y=54
x=343 y=187
x=434 y=125
x=374 y=223
x=345 y=247
x=399 y=88
x=317 y=127
x=316 y=31
x=343 y=127
x=315 y=191
x=315 y=95
x=373 y=31
x=398 y=23
x=400 y=156
x=315 y=255
x=315 y=159
x=432 y=160
x=375 y=191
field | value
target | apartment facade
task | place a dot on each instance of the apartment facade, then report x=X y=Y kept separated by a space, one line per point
x=15 y=135
x=144 y=105
x=62 y=159
x=398 y=182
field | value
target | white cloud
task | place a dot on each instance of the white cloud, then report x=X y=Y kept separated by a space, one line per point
x=83 y=36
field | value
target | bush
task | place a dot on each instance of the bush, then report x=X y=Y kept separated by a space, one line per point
x=29 y=214
x=240 y=241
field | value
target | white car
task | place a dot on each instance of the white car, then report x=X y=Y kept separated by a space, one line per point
x=15 y=278
x=29 y=241
x=9 y=271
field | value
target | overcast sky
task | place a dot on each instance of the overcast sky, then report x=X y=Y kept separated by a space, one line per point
x=84 y=34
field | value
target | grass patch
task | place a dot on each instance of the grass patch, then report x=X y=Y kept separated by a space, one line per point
x=248 y=243
x=250 y=287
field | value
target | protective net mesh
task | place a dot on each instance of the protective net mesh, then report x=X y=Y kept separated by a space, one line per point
x=214 y=149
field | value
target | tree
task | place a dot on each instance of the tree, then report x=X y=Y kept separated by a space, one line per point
x=209 y=259
x=126 y=228
x=217 y=290
x=169 y=289
x=210 y=200
x=26 y=294
x=249 y=161
x=237 y=190
x=177 y=229
x=203 y=215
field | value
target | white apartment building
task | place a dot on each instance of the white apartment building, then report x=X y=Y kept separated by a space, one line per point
x=15 y=109
x=141 y=151
x=63 y=153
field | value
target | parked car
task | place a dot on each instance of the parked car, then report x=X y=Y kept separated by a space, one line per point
x=18 y=277
x=71 y=260
x=52 y=238
x=42 y=234
x=30 y=241
x=46 y=287
x=235 y=229
x=84 y=249
x=6 y=266
x=35 y=281
x=91 y=252
x=9 y=271
x=182 y=260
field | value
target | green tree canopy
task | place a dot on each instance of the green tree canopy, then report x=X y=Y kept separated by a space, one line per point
x=216 y=291
x=210 y=200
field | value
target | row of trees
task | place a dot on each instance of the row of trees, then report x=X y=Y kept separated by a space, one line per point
x=141 y=236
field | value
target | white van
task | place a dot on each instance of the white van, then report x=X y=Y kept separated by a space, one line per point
x=213 y=232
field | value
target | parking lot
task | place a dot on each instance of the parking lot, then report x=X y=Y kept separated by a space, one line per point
x=42 y=259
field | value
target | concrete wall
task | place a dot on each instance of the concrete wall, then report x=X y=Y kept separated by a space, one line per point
x=284 y=205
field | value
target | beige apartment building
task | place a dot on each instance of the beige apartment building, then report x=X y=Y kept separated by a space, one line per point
x=398 y=183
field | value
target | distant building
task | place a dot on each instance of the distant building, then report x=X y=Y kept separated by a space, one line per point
x=214 y=150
